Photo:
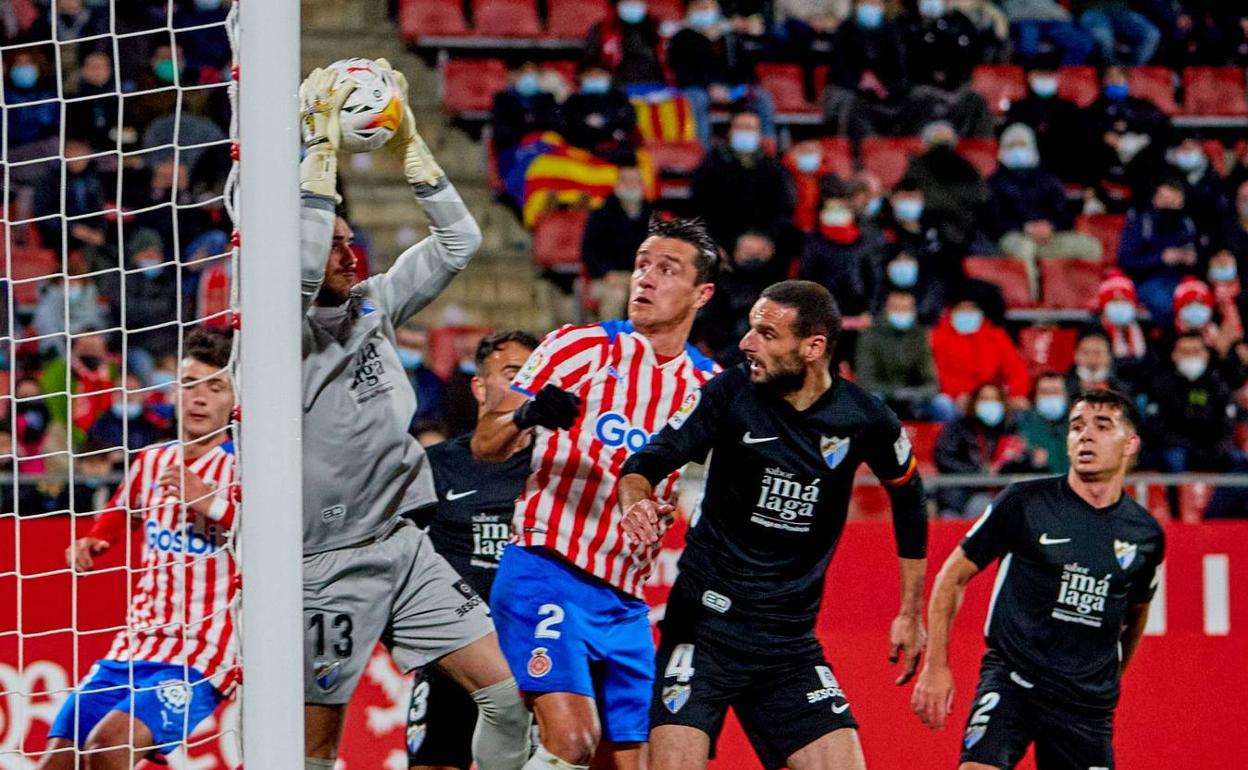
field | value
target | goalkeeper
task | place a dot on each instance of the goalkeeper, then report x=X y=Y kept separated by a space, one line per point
x=368 y=573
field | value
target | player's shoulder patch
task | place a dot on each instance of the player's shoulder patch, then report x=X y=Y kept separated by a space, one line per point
x=685 y=409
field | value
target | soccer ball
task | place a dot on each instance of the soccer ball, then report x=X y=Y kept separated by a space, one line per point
x=373 y=111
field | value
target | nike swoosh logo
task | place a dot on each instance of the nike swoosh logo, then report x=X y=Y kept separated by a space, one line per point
x=452 y=495
x=840 y=709
x=748 y=439
x=1046 y=540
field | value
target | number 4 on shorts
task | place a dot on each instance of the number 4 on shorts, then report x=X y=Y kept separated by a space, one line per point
x=680 y=664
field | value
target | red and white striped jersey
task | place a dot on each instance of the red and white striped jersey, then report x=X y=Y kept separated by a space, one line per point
x=180 y=610
x=569 y=503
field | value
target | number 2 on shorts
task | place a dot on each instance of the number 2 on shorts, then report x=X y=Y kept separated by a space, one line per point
x=986 y=705
x=553 y=616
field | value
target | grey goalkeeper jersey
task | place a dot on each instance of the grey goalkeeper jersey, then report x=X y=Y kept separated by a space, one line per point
x=360 y=466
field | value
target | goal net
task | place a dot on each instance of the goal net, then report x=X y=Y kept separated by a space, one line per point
x=119 y=545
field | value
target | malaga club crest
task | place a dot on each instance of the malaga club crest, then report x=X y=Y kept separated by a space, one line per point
x=327 y=674
x=833 y=449
x=415 y=737
x=675 y=696
x=973 y=735
x=1124 y=552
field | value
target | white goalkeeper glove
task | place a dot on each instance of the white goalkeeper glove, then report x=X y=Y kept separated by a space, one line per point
x=321 y=96
x=407 y=145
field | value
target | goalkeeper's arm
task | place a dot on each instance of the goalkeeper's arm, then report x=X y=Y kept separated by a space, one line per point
x=321 y=96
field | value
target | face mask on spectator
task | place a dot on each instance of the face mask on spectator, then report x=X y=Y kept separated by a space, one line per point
x=836 y=217
x=873 y=206
x=24 y=75
x=744 y=141
x=1117 y=92
x=207 y=5
x=1195 y=315
x=596 y=85
x=703 y=19
x=1091 y=375
x=903 y=272
x=967 y=321
x=629 y=193
x=631 y=11
x=1192 y=368
x=901 y=321
x=163 y=381
x=990 y=413
x=527 y=84
x=130 y=410
x=74 y=292
x=908 y=210
x=1019 y=157
x=410 y=358
x=1120 y=312
x=1051 y=408
x=151 y=269
x=1189 y=160
x=932 y=9
x=1044 y=86
x=163 y=70
x=1222 y=273
x=869 y=16
x=807 y=162
x=34 y=421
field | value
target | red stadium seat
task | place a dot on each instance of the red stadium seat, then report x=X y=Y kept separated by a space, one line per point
x=1008 y=273
x=982 y=154
x=1048 y=348
x=840 y=154
x=557 y=240
x=887 y=157
x=423 y=18
x=923 y=437
x=1106 y=228
x=784 y=83
x=469 y=85
x=1078 y=84
x=1214 y=91
x=677 y=157
x=1155 y=84
x=1069 y=284
x=492 y=177
x=999 y=84
x=1216 y=151
x=506 y=18
x=573 y=18
x=442 y=357
x=666 y=10
x=27 y=266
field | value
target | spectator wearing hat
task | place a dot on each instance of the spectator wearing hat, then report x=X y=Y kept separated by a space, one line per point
x=1194 y=307
x=1158 y=247
x=1118 y=308
x=970 y=350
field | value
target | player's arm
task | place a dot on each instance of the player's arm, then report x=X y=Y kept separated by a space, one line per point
x=109 y=527
x=216 y=505
x=321 y=97
x=932 y=700
x=1139 y=596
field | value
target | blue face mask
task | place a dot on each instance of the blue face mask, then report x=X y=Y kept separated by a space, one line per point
x=1051 y=408
x=131 y=410
x=595 y=85
x=990 y=413
x=932 y=9
x=1044 y=87
x=1117 y=92
x=1222 y=272
x=1195 y=315
x=1120 y=312
x=152 y=270
x=869 y=16
x=908 y=210
x=207 y=5
x=873 y=207
x=903 y=272
x=163 y=381
x=74 y=293
x=808 y=162
x=744 y=142
x=1019 y=158
x=631 y=12
x=967 y=321
x=24 y=75
x=703 y=19
x=901 y=321
x=410 y=358
x=1189 y=160
x=526 y=84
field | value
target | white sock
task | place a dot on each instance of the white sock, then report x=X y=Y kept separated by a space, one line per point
x=544 y=760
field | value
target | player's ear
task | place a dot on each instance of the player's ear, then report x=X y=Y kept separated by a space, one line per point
x=478 y=389
x=705 y=292
x=815 y=347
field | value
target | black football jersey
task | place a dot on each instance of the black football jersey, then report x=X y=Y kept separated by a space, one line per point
x=777 y=491
x=1068 y=573
x=471 y=522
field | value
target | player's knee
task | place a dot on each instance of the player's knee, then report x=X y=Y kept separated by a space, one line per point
x=574 y=743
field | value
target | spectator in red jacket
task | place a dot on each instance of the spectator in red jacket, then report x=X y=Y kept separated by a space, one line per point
x=970 y=351
x=807 y=165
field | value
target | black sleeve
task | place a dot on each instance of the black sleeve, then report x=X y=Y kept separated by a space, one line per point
x=993 y=534
x=688 y=435
x=1144 y=585
x=891 y=459
x=422 y=517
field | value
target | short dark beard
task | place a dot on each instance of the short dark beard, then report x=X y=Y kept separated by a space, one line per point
x=326 y=297
x=784 y=382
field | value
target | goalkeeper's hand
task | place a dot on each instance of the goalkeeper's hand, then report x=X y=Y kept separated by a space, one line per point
x=321 y=96
x=550 y=408
x=407 y=145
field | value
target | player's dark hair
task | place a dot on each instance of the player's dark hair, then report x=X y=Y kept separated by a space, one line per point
x=817 y=312
x=495 y=341
x=209 y=346
x=693 y=232
x=1111 y=398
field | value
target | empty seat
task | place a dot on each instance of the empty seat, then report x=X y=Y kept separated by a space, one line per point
x=999 y=84
x=1216 y=151
x=423 y=18
x=982 y=154
x=1069 y=284
x=29 y=269
x=1007 y=273
x=1106 y=228
x=675 y=157
x=887 y=156
x=784 y=83
x=666 y=10
x=1078 y=84
x=1048 y=348
x=469 y=85
x=1214 y=91
x=573 y=18
x=557 y=240
x=839 y=154
x=1155 y=84
x=506 y=18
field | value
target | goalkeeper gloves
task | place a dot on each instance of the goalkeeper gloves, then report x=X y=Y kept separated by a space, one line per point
x=550 y=408
x=407 y=145
x=321 y=96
